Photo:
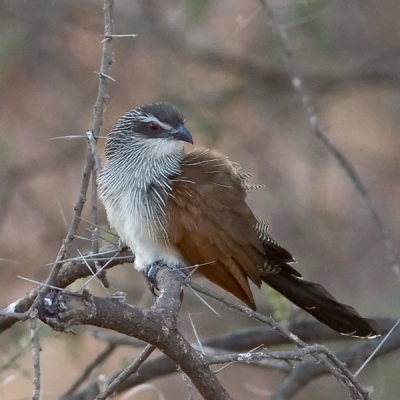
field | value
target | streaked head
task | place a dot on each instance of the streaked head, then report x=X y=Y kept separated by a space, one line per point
x=160 y=121
x=158 y=125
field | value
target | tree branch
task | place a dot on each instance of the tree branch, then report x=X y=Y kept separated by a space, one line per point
x=132 y=369
x=321 y=134
x=157 y=326
x=36 y=356
x=70 y=271
x=89 y=369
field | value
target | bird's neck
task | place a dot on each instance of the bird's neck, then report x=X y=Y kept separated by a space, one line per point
x=142 y=164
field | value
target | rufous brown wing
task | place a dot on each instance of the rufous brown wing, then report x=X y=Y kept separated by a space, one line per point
x=211 y=225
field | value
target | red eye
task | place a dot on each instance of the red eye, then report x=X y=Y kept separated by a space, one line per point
x=154 y=127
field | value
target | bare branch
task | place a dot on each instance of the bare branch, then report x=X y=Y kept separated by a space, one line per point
x=89 y=369
x=296 y=355
x=308 y=371
x=343 y=375
x=250 y=338
x=188 y=385
x=106 y=62
x=12 y=361
x=122 y=36
x=35 y=355
x=93 y=149
x=116 y=339
x=100 y=272
x=157 y=326
x=132 y=369
x=321 y=134
x=70 y=271
x=102 y=96
x=377 y=348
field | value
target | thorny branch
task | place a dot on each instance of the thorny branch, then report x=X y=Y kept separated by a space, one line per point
x=38 y=295
x=337 y=369
x=36 y=356
x=252 y=338
x=22 y=306
x=320 y=133
x=102 y=96
x=71 y=270
x=158 y=326
x=132 y=369
x=79 y=267
x=291 y=355
x=308 y=371
x=89 y=369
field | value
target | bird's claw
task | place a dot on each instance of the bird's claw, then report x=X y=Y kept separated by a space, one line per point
x=151 y=272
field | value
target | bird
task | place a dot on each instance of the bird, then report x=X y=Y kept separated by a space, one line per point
x=189 y=209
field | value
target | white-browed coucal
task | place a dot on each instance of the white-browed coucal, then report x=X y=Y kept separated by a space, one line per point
x=190 y=209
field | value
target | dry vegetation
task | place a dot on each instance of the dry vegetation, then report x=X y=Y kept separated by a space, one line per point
x=220 y=64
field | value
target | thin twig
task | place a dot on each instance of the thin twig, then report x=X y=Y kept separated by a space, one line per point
x=133 y=368
x=38 y=283
x=93 y=149
x=296 y=355
x=102 y=229
x=97 y=122
x=89 y=369
x=102 y=97
x=196 y=335
x=95 y=221
x=334 y=365
x=122 y=36
x=83 y=238
x=320 y=133
x=103 y=75
x=62 y=213
x=93 y=271
x=229 y=363
x=99 y=236
x=188 y=384
x=35 y=355
x=100 y=256
x=377 y=348
x=68 y=137
x=240 y=341
x=204 y=302
x=116 y=339
x=72 y=270
x=98 y=271
x=12 y=361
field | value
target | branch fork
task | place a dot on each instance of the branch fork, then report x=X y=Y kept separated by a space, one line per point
x=157 y=325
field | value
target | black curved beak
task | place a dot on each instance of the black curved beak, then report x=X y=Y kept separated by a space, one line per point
x=183 y=134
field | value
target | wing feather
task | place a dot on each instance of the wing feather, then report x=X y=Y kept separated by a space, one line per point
x=210 y=223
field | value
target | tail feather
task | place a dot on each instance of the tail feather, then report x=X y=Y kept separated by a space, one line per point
x=315 y=299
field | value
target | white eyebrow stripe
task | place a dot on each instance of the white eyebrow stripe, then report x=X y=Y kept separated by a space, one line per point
x=152 y=118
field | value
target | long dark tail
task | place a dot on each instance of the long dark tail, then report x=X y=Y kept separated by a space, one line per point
x=314 y=299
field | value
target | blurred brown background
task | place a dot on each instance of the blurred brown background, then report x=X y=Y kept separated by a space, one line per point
x=218 y=62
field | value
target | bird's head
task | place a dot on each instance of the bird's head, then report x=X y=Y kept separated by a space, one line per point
x=158 y=126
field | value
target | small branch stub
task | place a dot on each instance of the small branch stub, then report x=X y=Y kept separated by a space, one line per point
x=61 y=309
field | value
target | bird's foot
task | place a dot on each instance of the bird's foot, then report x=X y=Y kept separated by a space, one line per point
x=151 y=272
